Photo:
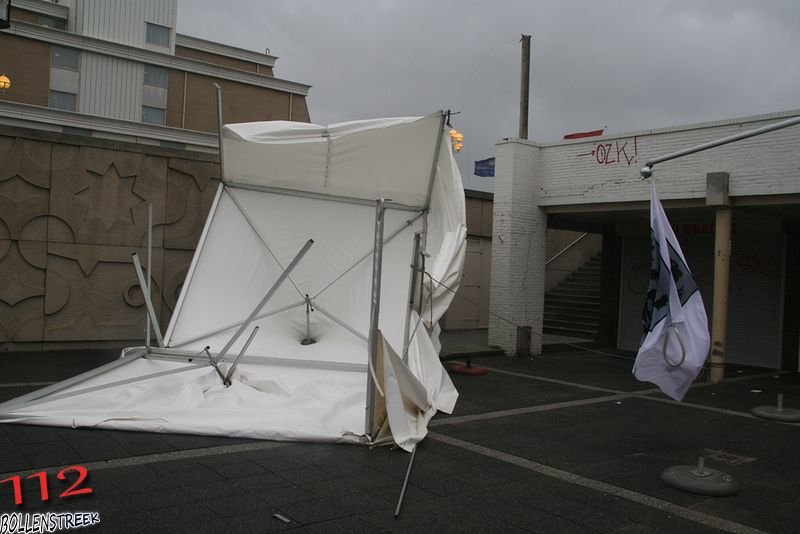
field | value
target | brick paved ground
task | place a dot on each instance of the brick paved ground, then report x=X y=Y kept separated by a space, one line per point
x=563 y=442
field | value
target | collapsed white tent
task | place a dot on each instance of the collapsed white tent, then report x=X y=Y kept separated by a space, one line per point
x=286 y=184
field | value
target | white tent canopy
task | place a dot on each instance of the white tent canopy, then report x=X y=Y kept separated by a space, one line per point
x=285 y=184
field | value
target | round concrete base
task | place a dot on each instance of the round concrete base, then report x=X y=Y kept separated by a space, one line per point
x=710 y=482
x=787 y=415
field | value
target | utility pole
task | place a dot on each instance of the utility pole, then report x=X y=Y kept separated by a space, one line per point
x=525 y=82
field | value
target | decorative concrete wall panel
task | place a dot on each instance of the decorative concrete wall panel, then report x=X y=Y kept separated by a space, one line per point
x=24 y=188
x=191 y=187
x=102 y=195
x=93 y=293
x=22 y=290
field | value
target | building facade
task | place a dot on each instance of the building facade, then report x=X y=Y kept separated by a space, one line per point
x=594 y=185
x=109 y=111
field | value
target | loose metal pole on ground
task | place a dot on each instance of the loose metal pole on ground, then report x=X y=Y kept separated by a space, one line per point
x=524 y=89
x=405 y=481
x=374 y=316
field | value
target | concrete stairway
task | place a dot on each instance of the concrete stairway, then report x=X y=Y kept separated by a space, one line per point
x=572 y=308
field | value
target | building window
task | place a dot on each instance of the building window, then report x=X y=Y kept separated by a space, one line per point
x=156 y=76
x=65 y=58
x=158 y=35
x=153 y=115
x=62 y=100
x=52 y=22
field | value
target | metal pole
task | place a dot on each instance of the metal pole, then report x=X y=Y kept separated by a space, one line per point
x=308 y=339
x=149 y=268
x=227 y=380
x=724 y=141
x=722 y=266
x=219 y=131
x=149 y=303
x=405 y=481
x=375 y=310
x=272 y=290
x=411 y=287
x=435 y=163
x=524 y=89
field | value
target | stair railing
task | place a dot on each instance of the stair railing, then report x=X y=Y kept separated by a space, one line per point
x=566 y=248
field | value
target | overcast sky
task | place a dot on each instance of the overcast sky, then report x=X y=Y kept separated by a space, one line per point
x=625 y=65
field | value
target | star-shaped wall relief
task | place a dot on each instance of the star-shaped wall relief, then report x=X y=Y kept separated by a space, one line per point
x=110 y=196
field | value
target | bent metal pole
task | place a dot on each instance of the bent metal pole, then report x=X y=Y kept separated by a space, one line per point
x=374 y=315
x=250 y=318
x=147 y=300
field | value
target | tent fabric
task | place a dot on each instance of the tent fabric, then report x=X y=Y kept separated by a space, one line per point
x=286 y=183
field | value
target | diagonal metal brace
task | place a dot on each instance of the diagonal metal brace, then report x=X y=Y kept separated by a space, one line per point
x=227 y=379
x=250 y=318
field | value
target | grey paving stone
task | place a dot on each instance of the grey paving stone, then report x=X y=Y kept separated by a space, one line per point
x=559 y=524
x=261 y=482
x=190 y=513
x=304 y=475
x=164 y=497
x=314 y=510
x=275 y=462
x=345 y=525
x=225 y=505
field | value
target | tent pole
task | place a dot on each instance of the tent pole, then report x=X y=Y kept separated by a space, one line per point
x=411 y=286
x=12 y=404
x=234 y=325
x=227 y=380
x=341 y=323
x=377 y=264
x=435 y=163
x=149 y=268
x=284 y=275
x=193 y=265
x=434 y=167
x=219 y=131
x=147 y=301
x=405 y=482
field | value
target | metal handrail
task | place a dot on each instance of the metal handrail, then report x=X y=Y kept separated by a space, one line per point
x=566 y=248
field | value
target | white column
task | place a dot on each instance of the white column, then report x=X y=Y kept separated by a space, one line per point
x=518 y=246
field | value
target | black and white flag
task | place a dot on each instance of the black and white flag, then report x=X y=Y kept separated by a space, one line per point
x=675 y=343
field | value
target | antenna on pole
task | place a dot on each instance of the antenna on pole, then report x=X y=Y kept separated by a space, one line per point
x=524 y=89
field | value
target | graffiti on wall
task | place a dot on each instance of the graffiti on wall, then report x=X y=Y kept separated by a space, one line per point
x=619 y=152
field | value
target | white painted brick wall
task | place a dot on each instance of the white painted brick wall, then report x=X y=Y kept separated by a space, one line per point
x=518 y=240
x=578 y=172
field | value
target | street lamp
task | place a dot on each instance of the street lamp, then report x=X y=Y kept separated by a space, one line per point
x=5 y=83
x=456 y=139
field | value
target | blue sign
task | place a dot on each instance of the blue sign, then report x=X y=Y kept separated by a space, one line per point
x=484 y=167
